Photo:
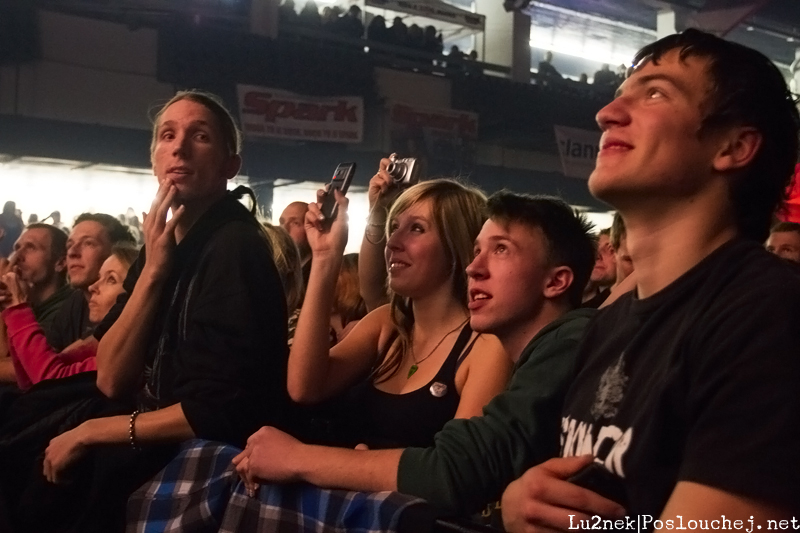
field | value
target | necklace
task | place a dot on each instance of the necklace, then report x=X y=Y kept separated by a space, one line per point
x=416 y=364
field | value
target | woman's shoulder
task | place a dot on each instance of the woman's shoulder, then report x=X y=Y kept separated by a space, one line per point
x=485 y=350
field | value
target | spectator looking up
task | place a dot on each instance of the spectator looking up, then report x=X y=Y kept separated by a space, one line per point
x=686 y=397
x=33 y=358
x=10 y=229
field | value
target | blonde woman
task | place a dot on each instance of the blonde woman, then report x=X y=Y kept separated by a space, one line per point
x=423 y=364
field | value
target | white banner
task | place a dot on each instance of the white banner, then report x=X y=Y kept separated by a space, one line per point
x=578 y=150
x=266 y=112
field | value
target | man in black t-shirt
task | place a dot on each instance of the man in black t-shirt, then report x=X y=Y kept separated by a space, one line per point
x=686 y=405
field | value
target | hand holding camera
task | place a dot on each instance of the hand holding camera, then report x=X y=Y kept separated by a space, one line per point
x=394 y=175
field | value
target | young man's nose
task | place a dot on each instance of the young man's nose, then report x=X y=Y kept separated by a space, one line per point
x=615 y=113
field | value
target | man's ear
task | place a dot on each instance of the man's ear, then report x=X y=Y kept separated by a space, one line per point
x=558 y=282
x=740 y=146
x=232 y=166
x=61 y=265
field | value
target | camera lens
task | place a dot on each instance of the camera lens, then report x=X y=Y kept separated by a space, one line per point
x=396 y=170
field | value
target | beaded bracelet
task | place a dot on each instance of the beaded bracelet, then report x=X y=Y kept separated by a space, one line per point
x=132 y=431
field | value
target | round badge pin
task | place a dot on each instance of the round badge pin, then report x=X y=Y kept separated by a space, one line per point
x=438 y=389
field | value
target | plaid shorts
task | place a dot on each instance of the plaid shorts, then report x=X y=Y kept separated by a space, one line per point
x=199 y=491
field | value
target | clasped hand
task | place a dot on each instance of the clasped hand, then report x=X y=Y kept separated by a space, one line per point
x=270 y=455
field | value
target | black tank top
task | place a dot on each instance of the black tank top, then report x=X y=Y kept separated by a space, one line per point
x=412 y=419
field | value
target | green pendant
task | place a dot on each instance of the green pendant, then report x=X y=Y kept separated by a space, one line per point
x=411 y=371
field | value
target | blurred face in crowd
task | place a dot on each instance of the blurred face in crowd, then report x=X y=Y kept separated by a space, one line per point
x=415 y=255
x=103 y=292
x=651 y=145
x=507 y=276
x=605 y=266
x=87 y=247
x=34 y=259
x=624 y=262
x=293 y=221
x=189 y=150
x=785 y=244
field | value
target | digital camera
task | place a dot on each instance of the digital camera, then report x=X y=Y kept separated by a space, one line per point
x=404 y=172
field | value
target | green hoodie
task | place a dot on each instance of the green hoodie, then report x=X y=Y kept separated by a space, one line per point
x=473 y=460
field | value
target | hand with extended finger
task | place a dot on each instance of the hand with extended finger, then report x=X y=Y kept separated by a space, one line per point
x=64 y=451
x=327 y=238
x=159 y=233
x=543 y=500
x=16 y=288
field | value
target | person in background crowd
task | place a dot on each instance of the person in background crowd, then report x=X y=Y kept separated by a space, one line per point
x=432 y=43
x=685 y=406
x=398 y=32
x=309 y=16
x=350 y=24
x=604 y=272
x=39 y=260
x=377 y=30
x=784 y=241
x=546 y=70
x=530 y=262
x=287 y=12
x=33 y=358
x=55 y=217
x=88 y=246
x=11 y=227
x=348 y=305
x=33 y=218
x=619 y=243
x=292 y=219
x=287 y=261
x=604 y=77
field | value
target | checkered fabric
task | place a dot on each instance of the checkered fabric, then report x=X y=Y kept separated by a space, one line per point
x=199 y=491
x=189 y=495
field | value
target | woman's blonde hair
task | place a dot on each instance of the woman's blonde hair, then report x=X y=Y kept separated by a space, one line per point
x=458 y=212
x=288 y=263
x=126 y=253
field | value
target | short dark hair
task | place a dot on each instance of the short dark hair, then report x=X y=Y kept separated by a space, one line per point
x=58 y=240
x=568 y=233
x=618 y=231
x=117 y=233
x=747 y=89
x=231 y=135
x=783 y=227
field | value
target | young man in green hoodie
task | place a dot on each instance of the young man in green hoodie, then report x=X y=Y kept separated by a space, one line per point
x=532 y=259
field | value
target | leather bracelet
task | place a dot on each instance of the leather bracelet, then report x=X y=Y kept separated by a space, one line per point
x=132 y=431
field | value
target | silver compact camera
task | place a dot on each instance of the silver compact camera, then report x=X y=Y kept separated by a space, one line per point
x=404 y=172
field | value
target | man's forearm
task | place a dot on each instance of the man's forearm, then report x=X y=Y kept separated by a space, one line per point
x=120 y=352
x=343 y=468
